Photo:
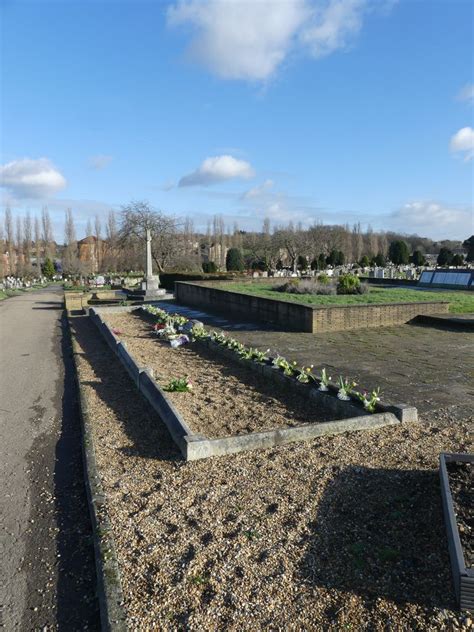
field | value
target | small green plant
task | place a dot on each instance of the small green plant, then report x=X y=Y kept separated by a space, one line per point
x=199 y=333
x=348 y=284
x=305 y=375
x=324 y=279
x=245 y=353
x=282 y=363
x=250 y=353
x=369 y=400
x=219 y=338
x=199 y=580
x=324 y=380
x=260 y=356
x=179 y=385
x=345 y=388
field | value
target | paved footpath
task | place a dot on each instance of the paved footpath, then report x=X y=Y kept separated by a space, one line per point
x=47 y=577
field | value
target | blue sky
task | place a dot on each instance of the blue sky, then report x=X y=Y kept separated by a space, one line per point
x=331 y=110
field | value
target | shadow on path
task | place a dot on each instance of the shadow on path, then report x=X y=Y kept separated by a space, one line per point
x=354 y=547
x=59 y=554
x=148 y=434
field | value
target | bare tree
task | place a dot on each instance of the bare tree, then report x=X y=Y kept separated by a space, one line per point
x=110 y=262
x=38 y=246
x=3 y=271
x=71 y=262
x=47 y=233
x=27 y=235
x=138 y=217
x=9 y=238
x=98 y=237
x=19 y=248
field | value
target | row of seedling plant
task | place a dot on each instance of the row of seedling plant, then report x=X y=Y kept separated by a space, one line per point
x=346 y=389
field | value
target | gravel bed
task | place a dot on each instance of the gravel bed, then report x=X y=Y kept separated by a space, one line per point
x=226 y=399
x=338 y=533
x=461 y=484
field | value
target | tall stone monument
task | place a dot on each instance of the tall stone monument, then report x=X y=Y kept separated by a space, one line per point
x=151 y=282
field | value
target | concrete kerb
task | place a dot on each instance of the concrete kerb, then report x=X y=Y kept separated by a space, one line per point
x=463 y=578
x=109 y=589
x=202 y=448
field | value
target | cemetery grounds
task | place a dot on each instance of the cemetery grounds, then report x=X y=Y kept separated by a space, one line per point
x=340 y=532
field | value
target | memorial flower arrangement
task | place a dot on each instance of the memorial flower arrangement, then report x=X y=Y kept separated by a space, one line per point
x=172 y=326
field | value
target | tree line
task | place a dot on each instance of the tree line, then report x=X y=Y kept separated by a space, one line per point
x=115 y=243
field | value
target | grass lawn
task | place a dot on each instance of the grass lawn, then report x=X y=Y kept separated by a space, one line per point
x=460 y=302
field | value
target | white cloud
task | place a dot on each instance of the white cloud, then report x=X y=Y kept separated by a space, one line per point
x=333 y=26
x=257 y=191
x=467 y=93
x=250 y=40
x=217 y=169
x=29 y=178
x=436 y=219
x=99 y=162
x=463 y=142
x=240 y=40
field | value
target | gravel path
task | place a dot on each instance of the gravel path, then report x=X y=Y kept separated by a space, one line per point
x=47 y=578
x=226 y=399
x=338 y=533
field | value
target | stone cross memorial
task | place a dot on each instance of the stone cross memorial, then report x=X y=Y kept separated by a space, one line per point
x=151 y=283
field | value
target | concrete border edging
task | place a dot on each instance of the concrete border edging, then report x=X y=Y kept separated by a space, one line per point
x=463 y=578
x=109 y=588
x=202 y=448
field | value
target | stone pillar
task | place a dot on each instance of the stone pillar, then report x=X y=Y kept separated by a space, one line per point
x=149 y=260
x=151 y=283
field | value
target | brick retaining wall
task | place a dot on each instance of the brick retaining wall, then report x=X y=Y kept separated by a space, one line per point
x=299 y=317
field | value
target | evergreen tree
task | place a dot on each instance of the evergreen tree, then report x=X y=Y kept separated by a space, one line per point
x=445 y=257
x=457 y=260
x=302 y=263
x=418 y=259
x=469 y=246
x=48 y=269
x=398 y=252
x=322 y=262
x=234 y=260
x=379 y=260
x=209 y=267
x=364 y=262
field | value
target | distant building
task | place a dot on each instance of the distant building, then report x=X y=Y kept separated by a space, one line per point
x=91 y=252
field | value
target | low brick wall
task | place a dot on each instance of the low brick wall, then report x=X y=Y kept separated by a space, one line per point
x=377 y=315
x=299 y=317
x=292 y=316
